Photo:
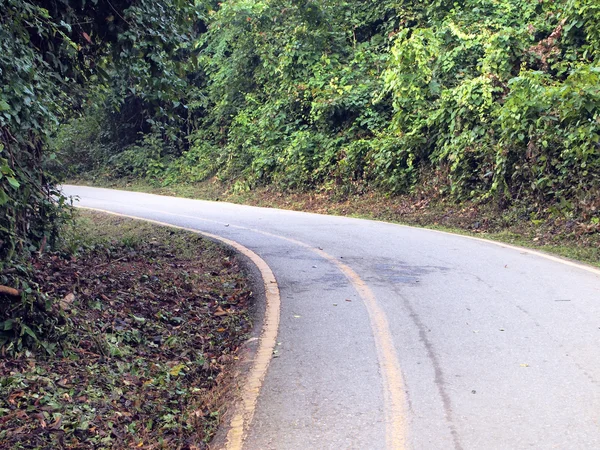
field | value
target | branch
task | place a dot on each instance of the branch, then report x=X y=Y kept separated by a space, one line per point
x=117 y=12
x=42 y=245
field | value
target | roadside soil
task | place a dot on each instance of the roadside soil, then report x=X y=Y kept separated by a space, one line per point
x=527 y=224
x=149 y=324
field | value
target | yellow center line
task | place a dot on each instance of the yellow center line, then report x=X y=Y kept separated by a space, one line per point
x=393 y=383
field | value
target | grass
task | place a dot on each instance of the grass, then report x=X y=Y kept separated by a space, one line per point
x=522 y=225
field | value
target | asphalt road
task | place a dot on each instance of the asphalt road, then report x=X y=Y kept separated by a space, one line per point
x=398 y=337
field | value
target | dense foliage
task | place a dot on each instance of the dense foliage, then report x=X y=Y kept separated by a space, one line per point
x=476 y=99
x=53 y=55
x=504 y=98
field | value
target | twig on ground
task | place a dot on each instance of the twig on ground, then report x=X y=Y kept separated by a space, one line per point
x=9 y=291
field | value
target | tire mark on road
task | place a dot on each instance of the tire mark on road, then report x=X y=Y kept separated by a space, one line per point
x=439 y=379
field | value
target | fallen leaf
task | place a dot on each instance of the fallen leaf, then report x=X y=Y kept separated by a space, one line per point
x=15 y=395
x=220 y=312
x=177 y=369
x=65 y=303
x=56 y=424
x=40 y=419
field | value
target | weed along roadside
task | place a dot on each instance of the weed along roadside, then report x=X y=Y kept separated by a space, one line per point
x=138 y=346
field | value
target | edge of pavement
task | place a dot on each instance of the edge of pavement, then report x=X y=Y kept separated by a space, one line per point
x=549 y=256
x=256 y=357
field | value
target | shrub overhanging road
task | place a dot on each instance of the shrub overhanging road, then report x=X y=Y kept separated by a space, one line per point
x=397 y=337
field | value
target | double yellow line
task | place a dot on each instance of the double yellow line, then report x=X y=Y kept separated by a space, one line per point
x=393 y=384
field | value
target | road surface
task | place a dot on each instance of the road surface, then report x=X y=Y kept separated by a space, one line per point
x=397 y=337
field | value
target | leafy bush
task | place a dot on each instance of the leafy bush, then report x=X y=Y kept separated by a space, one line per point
x=144 y=159
x=57 y=61
x=498 y=99
x=508 y=104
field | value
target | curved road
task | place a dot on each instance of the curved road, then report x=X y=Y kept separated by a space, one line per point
x=398 y=337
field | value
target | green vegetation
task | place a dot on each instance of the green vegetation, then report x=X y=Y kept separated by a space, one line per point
x=491 y=103
x=140 y=351
x=482 y=99
x=477 y=114
x=53 y=56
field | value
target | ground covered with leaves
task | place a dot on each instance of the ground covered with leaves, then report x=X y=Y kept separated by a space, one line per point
x=148 y=323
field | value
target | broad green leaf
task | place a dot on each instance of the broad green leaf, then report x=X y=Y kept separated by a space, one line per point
x=3 y=198
x=13 y=182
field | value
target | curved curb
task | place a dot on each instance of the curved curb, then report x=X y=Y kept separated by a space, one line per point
x=391 y=373
x=244 y=410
